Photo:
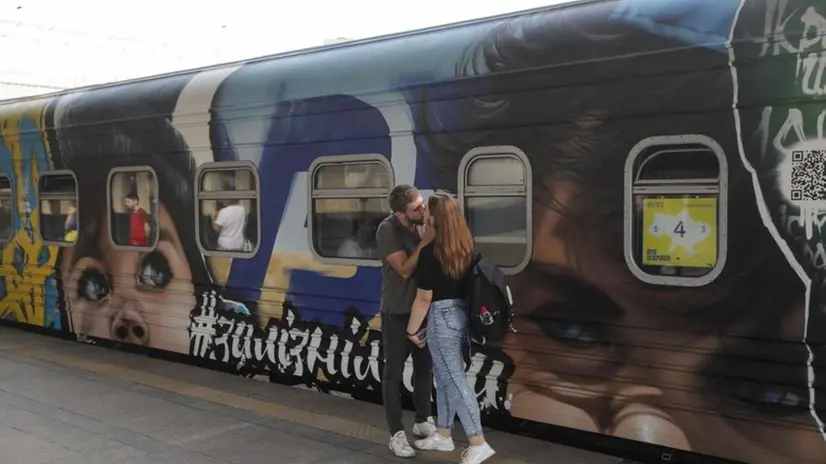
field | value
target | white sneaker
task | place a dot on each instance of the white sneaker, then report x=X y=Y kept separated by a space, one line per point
x=425 y=429
x=477 y=454
x=435 y=442
x=400 y=446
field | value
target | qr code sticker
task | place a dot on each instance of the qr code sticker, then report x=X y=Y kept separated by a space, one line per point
x=808 y=177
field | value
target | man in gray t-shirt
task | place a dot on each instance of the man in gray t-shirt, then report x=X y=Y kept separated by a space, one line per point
x=399 y=246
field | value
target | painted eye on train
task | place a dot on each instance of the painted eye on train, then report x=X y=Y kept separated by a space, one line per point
x=559 y=323
x=778 y=391
x=771 y=400
x=155 y=271
x=562 y=323
x=578 y=316
x=92 y=285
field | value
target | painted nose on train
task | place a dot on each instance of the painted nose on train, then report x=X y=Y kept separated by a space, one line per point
x=128 y=326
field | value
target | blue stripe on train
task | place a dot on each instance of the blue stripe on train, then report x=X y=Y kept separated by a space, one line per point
x=299 y=132
x=705 y=23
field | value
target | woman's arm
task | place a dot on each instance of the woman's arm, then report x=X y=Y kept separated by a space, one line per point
x=417 y=314
x=424 y=294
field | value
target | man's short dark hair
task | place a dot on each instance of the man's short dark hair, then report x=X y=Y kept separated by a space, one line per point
x=401 y=196
x=132 y=196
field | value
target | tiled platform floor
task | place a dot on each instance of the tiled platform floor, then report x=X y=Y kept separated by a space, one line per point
x=65 y=402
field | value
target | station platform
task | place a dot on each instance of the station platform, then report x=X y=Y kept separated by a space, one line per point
x=64 y=402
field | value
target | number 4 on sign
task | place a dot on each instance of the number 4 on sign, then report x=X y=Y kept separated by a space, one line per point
x=679 y=229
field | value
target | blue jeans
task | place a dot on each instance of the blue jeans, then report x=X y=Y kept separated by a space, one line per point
x=447 y=326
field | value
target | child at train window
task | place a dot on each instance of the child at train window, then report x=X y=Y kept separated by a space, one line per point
x=70 y=225
x=138 y=221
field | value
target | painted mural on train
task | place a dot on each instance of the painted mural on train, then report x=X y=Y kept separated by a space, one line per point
x=782 y=119
x=28 y=283
x=731 y=368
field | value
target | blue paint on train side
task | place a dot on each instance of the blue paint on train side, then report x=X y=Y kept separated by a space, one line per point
x=706 y=23
x=32 y=160
x=299 y=132
x=33 y=152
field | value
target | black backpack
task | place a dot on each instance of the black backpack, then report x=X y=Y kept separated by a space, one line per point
x=490 y=303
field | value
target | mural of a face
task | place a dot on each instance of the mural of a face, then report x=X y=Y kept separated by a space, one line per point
x=584 y=314
x=128 y=294
x=715 y=369
x=134 y=297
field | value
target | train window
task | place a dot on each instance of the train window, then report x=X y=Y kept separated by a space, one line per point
x=58 y=208
x=348 y=201
x=228 y=209
x=6 y=208
x=676 y=210
x=133 y=207
x=495 y=193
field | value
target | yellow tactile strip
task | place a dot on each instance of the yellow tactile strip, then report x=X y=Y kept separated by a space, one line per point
x=332 y=424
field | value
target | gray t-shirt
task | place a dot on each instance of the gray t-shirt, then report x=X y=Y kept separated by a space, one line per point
x=397 y=293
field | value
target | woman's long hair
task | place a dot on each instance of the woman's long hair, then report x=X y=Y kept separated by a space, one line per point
x=453 y=245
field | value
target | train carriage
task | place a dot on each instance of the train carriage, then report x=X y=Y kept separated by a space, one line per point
x=647 y=174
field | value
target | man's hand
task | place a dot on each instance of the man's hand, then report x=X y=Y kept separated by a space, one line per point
x=417 y=340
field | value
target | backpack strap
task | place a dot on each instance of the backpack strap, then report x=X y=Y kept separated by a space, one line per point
x=476 y=257
x=471 y=272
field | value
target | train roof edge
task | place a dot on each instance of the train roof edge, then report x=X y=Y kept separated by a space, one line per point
x=303 y=51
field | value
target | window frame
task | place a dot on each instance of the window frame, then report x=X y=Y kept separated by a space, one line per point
x=686 y=186
x=109 y=207
x=13 y=207
x=367 y=193
x=58 y=197
x=493 y=191
x=224 y=194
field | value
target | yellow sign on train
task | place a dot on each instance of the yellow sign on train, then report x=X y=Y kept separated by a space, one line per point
x=679 y=232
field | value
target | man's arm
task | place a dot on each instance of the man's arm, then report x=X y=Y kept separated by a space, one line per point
x=145 y=219
x=403 y=264
x=218 y=220
x=392 y=249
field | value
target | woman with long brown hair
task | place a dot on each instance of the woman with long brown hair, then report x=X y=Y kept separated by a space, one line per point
x=443 y=284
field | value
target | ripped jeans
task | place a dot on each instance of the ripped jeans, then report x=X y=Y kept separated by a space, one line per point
x=447 y=331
